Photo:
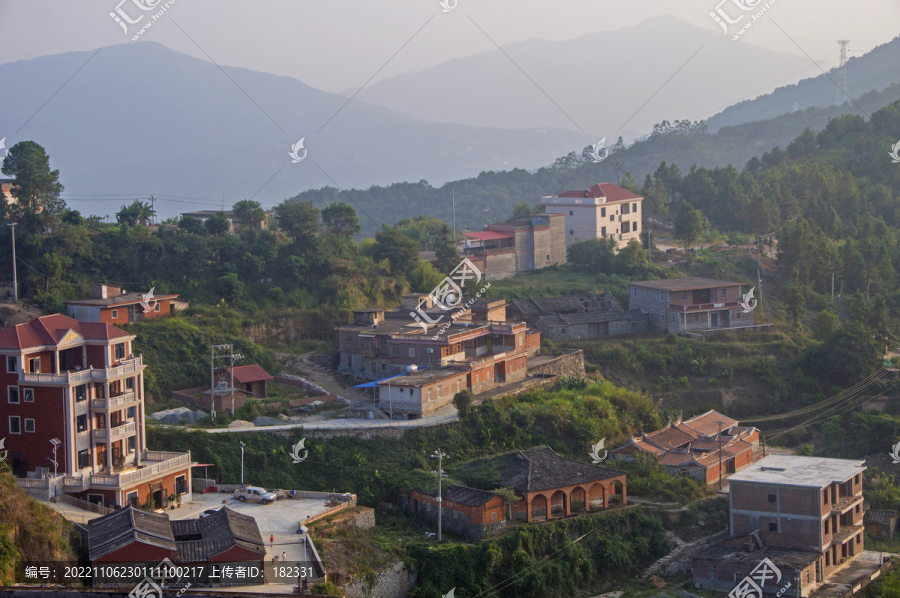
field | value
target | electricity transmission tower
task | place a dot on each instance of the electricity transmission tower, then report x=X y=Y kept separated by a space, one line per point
x=843 y=91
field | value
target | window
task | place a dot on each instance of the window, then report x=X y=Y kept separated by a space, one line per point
x=825 y=496
x=662 y=316
x=181 y=484
x=625 y=207
x=29 y=424
x=115 y=314
x=34 y=365
x=521 y=340
x=647 y=293
x=430 y=394
x=696 y=317
x=634 y=291
x=131 y=498
x=857 y=508
x=612 y=218
x=15 y=424
x=602 y=212
x=349 y=361
x=494 y=516
x=737 y=314
x=130 y=444
x=458 y=385
x=440 y=390
x=807 y=576
x=12 y=365
x=713 y=572
x=156 y=308
x=28 y=395
x=603 y=231
x=412 y=352
x=625 y=227
x=673 y=317
x=724 y=293
x=120 y=351
x=826 y=526
x=571 y=213
x=652 y=314
x=13 y=394
x=81 y=393
x=634 y=207
x=395 y=350
x=773 y=527
x=382 y=342
x=856 y=479
x=562 y=330
x=662 y=295
x=858 y=538
x=383 y=366
x=129 y=383
x=571 y=231
x=81 y=423
x=772 y=499
x=684 y=295
x=84 y=460
x=130 y=413
x=548 y=257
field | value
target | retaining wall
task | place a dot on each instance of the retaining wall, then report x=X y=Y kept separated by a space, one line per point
x=571 y=364
x=392 y=582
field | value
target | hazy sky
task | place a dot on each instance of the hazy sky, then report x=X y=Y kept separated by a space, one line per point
x=338 y=45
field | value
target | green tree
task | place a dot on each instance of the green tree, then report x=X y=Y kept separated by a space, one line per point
x=399 y=250
x=217 y=224
x=796 y=301
x=826 y=323
x=446 y=255
x=192 y=225
x=340 y=219
x=463 y=401
x=129 y=214
x=300 y=220
x=36 y=186
x=249 y=213
x=231 y=288
x=689 y=224
x=521 y=210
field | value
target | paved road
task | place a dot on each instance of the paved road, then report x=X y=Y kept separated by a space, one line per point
x=443 y=416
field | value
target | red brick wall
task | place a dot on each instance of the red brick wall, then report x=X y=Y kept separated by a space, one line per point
x=143 y=488
x=95 y=356
x=236 y=554
x=789 y=500
x=137 y=552
x=476 y=515
x=48 y=412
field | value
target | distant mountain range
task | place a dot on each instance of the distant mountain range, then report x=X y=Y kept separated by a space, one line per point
x=140 y=119
x=875 y=70
x=599 y=81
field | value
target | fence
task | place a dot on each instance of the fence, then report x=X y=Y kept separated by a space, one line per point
x=83 y=504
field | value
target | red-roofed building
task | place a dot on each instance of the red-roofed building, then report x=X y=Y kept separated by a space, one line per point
x=518 y=245
x=251 y=379
x=603 y=210
x=110 y=305
x=80 y=383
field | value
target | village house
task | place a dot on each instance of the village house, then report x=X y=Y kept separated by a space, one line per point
x=204 y=215
x=584 y=316
x=78 y=387
x=251 y=379
x=690 y=305
x=696 y=447
x=520 y=245
x=602 y=211
x=111 y=305
x=804 y=514
x=470 y=513
x=131 y=535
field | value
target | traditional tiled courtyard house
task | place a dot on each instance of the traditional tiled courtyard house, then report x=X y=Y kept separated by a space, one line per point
x=690 y=305
x=553 y=486
x=696 y=447
x=602 y=211
x=79 y=384
x=584 y=316
x=805 y=514
x=470 y=513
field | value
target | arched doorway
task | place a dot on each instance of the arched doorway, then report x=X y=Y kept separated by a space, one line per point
x=578 y=500
x=617 y=494
x=558 y=504
x=597 y=496
x=539 y=507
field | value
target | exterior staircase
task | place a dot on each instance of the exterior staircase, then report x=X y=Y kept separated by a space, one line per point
x=682 y=550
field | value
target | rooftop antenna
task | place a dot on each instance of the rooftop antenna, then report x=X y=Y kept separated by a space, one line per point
x=843 y=91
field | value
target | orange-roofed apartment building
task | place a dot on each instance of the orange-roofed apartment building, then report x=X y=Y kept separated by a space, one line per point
x=79 y=383
x=604 y=210
x=696 y=446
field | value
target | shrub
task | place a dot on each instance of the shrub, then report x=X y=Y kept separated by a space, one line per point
x=683 y=382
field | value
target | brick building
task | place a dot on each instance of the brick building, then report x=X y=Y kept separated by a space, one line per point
x=517 y=246
x=111 y=305
x=603 y=210
x=252 y=379
x=550 y=485
x=79 y=383
x=805 y=514
x=583 y=316
x=696 y=447
x=473 y=514
x=690 y=304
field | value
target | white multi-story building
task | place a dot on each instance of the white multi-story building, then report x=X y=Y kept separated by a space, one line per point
x=604 y=210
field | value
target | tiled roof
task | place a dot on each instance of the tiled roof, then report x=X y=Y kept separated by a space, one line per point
x=706 y=423
x=465 y=496
x=732 y=449
x=684 y=284
x=542 y=469
x=608 y=190
x=636 y=445
x=594 y=317
x=669 y=436
x=676 y=457
x=218 y=532
x=109 y=533
x=880 y=517
x=49 y=330
x=244 y=374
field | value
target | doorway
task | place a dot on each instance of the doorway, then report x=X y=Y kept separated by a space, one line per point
x=714 y=319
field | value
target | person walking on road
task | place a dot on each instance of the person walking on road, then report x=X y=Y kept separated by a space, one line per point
x=272 y=541
x=283 y=557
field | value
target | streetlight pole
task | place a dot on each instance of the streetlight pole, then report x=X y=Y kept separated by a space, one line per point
x=56 y=444
x=12 y=228
x=242 y=465
x=439 y=455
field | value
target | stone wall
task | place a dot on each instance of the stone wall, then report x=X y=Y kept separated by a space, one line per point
x=196 y=396
x=391 y=582
x=570 y=363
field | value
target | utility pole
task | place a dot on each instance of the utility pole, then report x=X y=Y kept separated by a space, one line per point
x=453 y=195
x=231 y=357
x=152 y=207
x=12 y=227
x=759 y=283
x=843 y=91
x=439 y=455
x=720 y=453
x=242 y=464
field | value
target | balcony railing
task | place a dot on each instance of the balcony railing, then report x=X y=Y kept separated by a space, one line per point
x=118 y=432
x=703 y=306
x=168 y=462
x=131 y=366
x=115 y=402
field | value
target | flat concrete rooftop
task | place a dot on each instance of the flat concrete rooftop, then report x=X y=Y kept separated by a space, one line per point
x=793 y=470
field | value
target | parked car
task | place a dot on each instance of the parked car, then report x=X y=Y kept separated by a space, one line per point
x=209 y=512
x=255 y=494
